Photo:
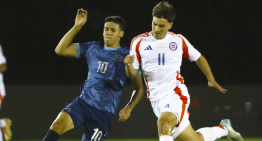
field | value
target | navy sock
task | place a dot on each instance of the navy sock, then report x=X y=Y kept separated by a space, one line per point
x=51 y=136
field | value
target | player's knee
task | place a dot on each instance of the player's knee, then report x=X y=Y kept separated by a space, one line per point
x=167 y=119
x=58 y=126
x=165 y=124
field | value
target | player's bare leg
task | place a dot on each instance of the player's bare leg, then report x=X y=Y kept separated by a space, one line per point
x=7 y=128
x=189 y=134
x=210 y=133
x=62 y=123
x=166 y=123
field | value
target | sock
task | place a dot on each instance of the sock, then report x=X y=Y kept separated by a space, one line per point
x=165 y=138
x=2 y=123
x=213 y=133
x=51 y=136
x=1 y=136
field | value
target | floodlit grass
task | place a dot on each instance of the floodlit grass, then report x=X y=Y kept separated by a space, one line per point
x=223 y=139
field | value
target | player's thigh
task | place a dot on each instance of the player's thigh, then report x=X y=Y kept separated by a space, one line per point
x=62 y=123
x=167 y=118
x=171 y=108
x=189 y=134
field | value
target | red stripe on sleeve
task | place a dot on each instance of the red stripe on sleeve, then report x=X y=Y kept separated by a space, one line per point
x=131 y=44
x=142 y=35
x=171 y=33
x=185 y=49
x=137 y=51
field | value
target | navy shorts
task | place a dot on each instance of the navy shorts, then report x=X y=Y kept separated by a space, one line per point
x=97 y=122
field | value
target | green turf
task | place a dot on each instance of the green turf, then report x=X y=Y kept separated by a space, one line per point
x=223 y=139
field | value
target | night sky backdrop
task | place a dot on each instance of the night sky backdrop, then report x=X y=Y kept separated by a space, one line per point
x=226 y=32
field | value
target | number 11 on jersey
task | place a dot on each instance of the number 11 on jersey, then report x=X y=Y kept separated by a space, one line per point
x=161 y=59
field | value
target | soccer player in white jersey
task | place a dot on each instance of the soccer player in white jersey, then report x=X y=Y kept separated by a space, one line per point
x=5 y=123
x=159 y=53
x=2 y=70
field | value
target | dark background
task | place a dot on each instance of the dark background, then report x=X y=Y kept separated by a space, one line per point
x=226 y=32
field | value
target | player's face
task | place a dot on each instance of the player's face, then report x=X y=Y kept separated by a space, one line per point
x=112 y=34
x=160 y=27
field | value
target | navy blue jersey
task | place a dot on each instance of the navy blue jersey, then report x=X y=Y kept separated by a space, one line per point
x=106 y=76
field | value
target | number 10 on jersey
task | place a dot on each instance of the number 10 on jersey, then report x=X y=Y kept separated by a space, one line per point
x=102 y=67
x=161 y=59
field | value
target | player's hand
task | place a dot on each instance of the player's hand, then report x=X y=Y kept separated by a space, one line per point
x=81 y=17
x=213 y=83
x=129 y=60
x=124 y=114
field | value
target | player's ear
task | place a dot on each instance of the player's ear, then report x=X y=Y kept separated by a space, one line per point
x=122 y=33
x=170 y=25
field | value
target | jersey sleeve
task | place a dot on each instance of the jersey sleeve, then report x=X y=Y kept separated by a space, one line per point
x=189 y=51
x=82 y=49
x=2 y=57
x=138 y=72
x=134 y=50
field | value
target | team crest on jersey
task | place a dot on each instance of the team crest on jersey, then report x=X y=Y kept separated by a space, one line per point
x=118 y=57
x=68 y=109
x=173 y=46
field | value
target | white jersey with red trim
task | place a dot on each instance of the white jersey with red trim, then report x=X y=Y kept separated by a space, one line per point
x=2 y=61
x=160 y=61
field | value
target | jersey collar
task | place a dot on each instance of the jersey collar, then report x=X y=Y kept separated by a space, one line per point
x=110 y=48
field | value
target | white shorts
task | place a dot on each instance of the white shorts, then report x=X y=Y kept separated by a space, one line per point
x=176 y=102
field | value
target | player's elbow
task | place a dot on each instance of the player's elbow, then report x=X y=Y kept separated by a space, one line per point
x=131 y=76
x=58 y=52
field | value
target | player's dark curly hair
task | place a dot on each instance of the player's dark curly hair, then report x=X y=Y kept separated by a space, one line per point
x=118 y=20
x=164 y=10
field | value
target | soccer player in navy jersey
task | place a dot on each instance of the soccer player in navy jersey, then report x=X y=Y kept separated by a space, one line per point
x=100 y=94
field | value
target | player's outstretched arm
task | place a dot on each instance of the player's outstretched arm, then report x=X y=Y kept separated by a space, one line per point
x=135 y=98
x=203 y=65
x=65 y=46
x=130 y=70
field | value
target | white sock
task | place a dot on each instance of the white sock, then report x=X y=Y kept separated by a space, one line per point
x=1 y=136
x=213 y=133
x=166 y=138
x=2 y=123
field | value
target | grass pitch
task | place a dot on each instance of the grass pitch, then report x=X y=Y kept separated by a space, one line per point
x=223 y=139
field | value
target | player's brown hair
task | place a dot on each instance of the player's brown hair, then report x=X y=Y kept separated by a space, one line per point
x=164 y=10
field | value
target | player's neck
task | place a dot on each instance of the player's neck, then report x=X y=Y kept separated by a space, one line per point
x=113 y=45
x=160 y=38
